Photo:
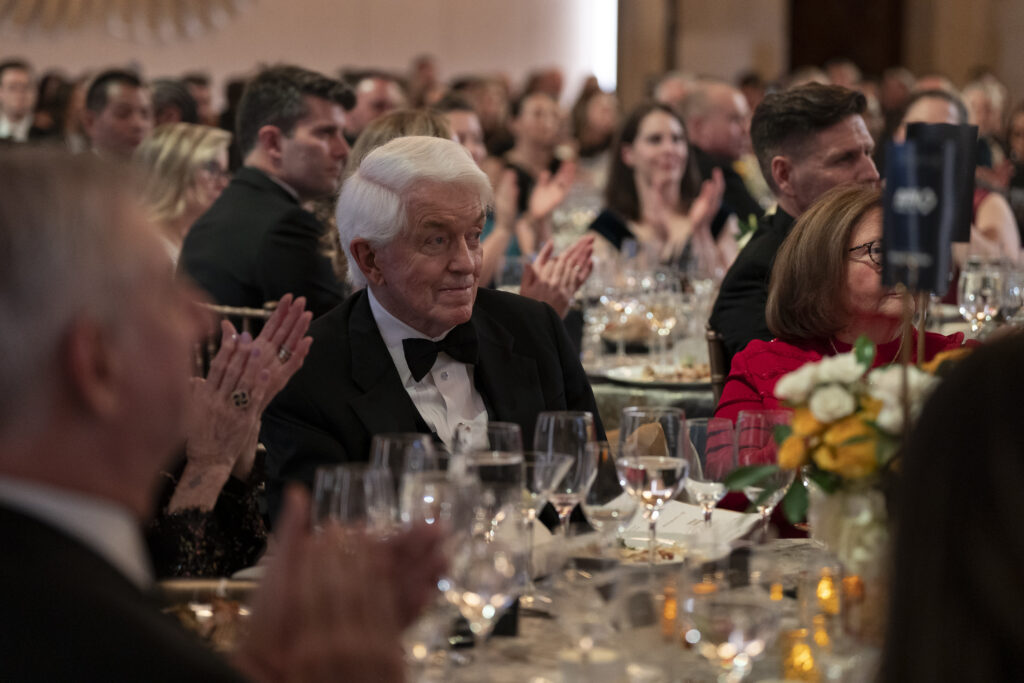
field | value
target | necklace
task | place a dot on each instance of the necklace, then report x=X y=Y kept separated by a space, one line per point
x=895 y=358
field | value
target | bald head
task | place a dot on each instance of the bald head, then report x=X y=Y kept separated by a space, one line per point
x=717 y=118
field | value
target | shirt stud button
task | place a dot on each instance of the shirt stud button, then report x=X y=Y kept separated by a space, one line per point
x=444 y=375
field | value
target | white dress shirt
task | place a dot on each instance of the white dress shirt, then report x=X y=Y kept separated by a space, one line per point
x=106 y=528
x=446 y=396
x=15 y=131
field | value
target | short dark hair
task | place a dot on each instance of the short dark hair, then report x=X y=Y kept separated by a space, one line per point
x=516 y=105
x=19 y=64
x=453 y=102
x=168 y=93
x=937 y=94
x=808 y=277
x=197 y=79
x=98 y=95
x=784 y=121
x=620 y=193
x=276 y=97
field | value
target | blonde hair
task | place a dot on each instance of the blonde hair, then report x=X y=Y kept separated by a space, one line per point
x=396 y=124
x=172 y=157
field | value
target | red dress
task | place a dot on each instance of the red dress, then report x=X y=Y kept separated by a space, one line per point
x=756 y=369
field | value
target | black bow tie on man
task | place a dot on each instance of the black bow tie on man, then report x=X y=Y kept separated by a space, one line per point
x=421 y=354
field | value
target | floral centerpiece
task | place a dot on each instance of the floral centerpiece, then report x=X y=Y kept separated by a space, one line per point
x=844 y=437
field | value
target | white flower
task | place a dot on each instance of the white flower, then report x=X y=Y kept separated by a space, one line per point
x=831 y=403
x=796 y=386
x=843 y=368
x=886 y=384
x=890 y=419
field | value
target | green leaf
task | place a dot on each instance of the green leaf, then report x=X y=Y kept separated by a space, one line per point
x=794 y=505
x=853 y=440
x=781 y=433
x=864 y=351
x=763 y=497
x=742 y=477
x=826 y=481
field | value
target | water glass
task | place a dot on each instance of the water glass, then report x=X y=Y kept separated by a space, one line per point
x=711 y=452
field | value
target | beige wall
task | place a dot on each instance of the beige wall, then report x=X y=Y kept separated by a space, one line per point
x=466 y=35
x=725 y=37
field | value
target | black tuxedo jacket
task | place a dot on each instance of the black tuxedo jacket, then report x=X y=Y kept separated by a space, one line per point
x=256 y=244
x=738 y=314
x=348 y=389
x=68 y=615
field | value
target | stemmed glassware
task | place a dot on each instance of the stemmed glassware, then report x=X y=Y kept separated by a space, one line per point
x=607 y=506
x=711 y=452
x=755 y=445
x=732 y=619
x=979 y=292
x=488 y=544
x=651 y=465
x=568 y=433
x=541 y=471
x=663 y=305
x=354 y=494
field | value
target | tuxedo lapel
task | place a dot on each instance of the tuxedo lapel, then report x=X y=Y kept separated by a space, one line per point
x=509 y=382
x=385 y=406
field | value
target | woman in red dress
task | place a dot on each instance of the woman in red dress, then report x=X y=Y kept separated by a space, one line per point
x=825 y=292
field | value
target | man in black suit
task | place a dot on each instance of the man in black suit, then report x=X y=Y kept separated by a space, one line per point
x=94 y=385
x=118 y=113
x=807 y=140
x=257 y=242
x=420 y=349
x=17 y=101
x=716 y=116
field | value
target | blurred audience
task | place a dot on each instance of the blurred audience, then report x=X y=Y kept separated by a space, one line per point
x=17 y=102
x=118 y=113
x=198 y=85
x=656 y=197
x=172 y=103
x=186 y=168
x=376 y=95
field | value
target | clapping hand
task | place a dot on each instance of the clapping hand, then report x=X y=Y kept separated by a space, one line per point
x=555 y=280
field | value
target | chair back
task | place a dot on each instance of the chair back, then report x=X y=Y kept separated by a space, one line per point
x=718 y=360
x=244 y=319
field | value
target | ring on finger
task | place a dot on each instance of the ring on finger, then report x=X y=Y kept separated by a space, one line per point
x=284 y=354
x=240 y=397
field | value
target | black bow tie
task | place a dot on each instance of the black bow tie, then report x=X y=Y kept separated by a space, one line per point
x=460 y=344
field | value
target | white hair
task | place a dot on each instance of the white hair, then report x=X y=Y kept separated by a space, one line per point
x=61 y=256
x=372 y=205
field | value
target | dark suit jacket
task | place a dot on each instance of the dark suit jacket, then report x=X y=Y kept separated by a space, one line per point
x=738 y=314
x=68 y=615
x=256 y=244
x=348 y=389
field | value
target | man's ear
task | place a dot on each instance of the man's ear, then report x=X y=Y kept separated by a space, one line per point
x=92 y=368
x=269 y=139
x=88 y=122
x=366 y=258
x=782 y=174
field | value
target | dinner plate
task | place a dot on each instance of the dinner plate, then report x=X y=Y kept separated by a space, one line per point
x=633 y=375
x=687 y=545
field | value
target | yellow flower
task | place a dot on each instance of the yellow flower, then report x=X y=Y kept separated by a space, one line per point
x=952 y=355
x=870 y=407
x=850 y=460
x=805 y=424
x=793 y=453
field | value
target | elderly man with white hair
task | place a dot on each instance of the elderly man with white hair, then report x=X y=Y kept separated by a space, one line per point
x=421 y=348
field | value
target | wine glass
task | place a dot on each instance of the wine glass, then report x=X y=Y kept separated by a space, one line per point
x=403 y=452
x=607 y=506
x=730 y=618
x=651 y=465
x=486 y=564
x=756 y=445
x=541 y=471
x=492 y=436
x=979 y=292
x=355 y=494
x=664 y=304
x=711 y=452
x=568 y=433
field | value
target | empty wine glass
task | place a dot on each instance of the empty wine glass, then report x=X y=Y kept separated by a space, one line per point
x=607 y=506
x=980 y=291
x=756 y=445
x=711 y=452
x=541 y=471
x=568 y=433
x=486 y=565
x=355 y=494
x=651 y=466
x=730 y=618
x=403 y=452
x=492 y=436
